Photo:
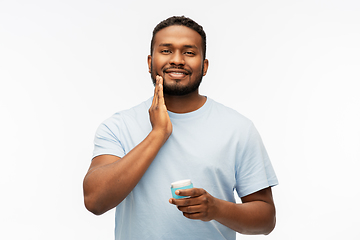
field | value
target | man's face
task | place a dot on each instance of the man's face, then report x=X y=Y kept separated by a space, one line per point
x=177 y=56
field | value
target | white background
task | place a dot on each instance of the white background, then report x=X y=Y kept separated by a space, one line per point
x=290 y=66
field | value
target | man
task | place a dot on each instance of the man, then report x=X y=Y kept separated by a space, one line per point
x=179 y=134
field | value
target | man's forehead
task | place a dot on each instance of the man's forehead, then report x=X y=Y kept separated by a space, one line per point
x=178 y=34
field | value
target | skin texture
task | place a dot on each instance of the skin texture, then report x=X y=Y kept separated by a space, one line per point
x=178 y=48
x=256 y=214
x=171 y=58
x=110 y=179
x=177 y=62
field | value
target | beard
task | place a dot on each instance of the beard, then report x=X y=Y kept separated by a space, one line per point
x=178 y=89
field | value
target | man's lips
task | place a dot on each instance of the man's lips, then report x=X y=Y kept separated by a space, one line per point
x=176 y=72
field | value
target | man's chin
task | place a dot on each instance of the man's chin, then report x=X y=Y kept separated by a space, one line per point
x=178 y=90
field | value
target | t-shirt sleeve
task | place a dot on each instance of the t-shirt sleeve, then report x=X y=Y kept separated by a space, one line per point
x=106 y=140
x=254 y=170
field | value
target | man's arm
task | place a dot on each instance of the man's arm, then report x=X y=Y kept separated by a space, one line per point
x=255 y=215
x=110 y=179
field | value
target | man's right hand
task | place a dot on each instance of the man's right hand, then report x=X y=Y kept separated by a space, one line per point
x=159 y=116
x=110 y=178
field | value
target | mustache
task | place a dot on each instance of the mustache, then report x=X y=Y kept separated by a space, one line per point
x=175 y=68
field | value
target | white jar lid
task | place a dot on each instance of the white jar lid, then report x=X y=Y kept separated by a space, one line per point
x=181 y=183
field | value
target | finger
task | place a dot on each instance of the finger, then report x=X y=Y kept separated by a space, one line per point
x=161 y=91
x=183 y=202
x=156 y=97
x=195 y=215
x=191 y=192
x=191 y=209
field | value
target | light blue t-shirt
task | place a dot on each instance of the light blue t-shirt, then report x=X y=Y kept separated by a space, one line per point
x=216 y=147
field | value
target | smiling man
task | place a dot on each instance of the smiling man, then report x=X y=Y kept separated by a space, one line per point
x=180 y=60
x=179 y=134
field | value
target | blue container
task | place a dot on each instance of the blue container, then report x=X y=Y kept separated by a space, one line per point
x=183 y=184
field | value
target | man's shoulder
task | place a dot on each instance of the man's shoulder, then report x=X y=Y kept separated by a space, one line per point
x=229 y=113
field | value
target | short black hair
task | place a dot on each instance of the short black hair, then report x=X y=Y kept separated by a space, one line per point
x=181 y=21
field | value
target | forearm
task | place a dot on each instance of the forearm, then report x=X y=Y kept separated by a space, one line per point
x=108 y=185
x=256 y=217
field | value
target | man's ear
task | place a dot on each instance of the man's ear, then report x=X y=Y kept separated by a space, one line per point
x=206 y=66
x=149 y=63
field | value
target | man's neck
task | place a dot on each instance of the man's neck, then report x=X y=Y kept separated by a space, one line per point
x=184 y=104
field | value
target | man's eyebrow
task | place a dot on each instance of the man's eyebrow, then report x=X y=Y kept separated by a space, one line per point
x=190 y=46
x=169 y=45
x=165 y=44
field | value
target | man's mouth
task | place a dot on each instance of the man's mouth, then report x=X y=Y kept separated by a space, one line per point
x=176 y=73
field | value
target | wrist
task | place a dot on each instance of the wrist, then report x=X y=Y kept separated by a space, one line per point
x=221 y=207
x=158 y=135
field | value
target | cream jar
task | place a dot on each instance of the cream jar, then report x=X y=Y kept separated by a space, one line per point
x=182 y=184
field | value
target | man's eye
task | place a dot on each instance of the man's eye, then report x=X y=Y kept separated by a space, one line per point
x=189 y=53
x=165 y=51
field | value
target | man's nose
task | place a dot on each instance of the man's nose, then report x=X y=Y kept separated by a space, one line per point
x=177 y=58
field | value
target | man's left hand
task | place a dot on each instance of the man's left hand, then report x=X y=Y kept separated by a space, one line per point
x=200 y=204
